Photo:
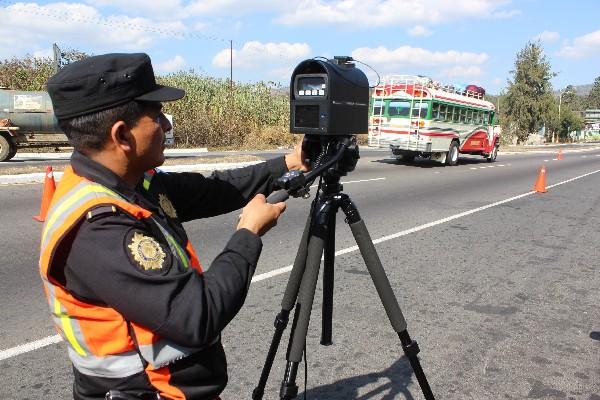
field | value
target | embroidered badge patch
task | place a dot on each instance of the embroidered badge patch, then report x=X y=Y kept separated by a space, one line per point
x=167 y=206
x=146 y=251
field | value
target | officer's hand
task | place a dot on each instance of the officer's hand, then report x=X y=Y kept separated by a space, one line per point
x=258 y=216
x=296 y=160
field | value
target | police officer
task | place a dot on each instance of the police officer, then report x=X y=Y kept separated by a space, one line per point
x=140 y=317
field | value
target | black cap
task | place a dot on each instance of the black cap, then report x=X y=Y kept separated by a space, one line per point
x=100 y=82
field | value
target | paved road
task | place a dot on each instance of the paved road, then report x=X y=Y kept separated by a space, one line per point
x=503 y=299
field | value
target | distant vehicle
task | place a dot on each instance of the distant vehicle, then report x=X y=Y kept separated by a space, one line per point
x=27 y=120
x=416 y=116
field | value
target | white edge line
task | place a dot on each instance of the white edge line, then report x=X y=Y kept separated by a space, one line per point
x=27 y=347
x=361 y=180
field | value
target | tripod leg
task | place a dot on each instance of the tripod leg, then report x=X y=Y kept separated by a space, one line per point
x=281 y=320
x=289 y=389
x=328 y=275
x=386 y=294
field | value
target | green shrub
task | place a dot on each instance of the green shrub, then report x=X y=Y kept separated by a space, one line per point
x=219 y=115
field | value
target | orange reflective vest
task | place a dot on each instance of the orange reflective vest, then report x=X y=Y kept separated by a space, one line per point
x=98 y=337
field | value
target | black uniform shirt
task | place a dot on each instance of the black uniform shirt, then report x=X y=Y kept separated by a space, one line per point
x=177 y=303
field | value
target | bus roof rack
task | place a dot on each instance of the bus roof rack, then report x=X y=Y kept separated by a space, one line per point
x=393 y=85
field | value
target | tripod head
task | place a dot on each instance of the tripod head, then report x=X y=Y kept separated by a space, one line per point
x=329 y=156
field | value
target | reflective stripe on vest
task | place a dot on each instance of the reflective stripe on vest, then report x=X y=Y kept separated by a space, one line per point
x=148 y=175
x=175 y=247
x=109 y=366
x=98 y=337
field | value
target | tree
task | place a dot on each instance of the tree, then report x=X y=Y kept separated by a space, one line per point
x=569 y=97
x=593 y=99
x=529 y=96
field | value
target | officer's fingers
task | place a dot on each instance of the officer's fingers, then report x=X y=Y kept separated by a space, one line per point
x=280 y=207
x=259 y=198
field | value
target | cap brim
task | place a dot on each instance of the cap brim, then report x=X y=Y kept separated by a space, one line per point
x=162 y=93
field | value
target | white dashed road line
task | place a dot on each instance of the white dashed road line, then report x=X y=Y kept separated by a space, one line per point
x=27 y=347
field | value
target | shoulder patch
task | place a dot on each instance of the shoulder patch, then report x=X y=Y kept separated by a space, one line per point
x=167 y=206
x=146 y=252
x=100 y=211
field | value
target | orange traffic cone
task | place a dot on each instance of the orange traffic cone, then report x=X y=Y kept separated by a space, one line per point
x=540 y=183
x=49 y=188
x=559 y=155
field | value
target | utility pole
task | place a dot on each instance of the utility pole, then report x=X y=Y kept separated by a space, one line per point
x=231 y=65
x=57 y=57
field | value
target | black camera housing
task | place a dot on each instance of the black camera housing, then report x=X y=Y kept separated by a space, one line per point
x=329 y=97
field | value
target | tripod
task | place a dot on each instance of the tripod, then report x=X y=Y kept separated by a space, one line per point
x=318 y=239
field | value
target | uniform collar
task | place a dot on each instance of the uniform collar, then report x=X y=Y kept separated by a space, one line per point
x=96 y=172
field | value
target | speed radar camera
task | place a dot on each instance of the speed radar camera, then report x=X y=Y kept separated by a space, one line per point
x=329 y=97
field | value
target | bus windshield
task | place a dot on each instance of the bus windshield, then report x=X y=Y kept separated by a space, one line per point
x=399 y=108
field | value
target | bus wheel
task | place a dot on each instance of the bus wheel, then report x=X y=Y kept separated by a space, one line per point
x=452 y=156
x=493 y=155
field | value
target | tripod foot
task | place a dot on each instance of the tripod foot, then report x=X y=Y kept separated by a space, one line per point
x=257 y=394
x=288 y=392
x=289 y=389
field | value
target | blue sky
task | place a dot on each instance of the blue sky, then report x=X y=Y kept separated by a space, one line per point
x=454 y=41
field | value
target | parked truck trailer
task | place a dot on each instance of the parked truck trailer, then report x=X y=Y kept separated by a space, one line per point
x=27 y=120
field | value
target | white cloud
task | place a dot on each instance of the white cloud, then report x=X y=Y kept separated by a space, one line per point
x=449 y=64
x=174 y=64
x=76 y=25
x=505 y=14
x=585 y=46
x=230 y=7
x=254 y=54
x=375 y=13
x=470 y=72
x=44 y=53
x=419 y=30
x=548 y=36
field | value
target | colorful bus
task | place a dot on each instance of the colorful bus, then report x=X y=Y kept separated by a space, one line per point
x=416 y=116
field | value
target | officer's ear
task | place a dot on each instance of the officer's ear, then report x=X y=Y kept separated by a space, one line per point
x=122 y=137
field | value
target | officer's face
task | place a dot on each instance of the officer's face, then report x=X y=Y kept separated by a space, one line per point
x=149 y=133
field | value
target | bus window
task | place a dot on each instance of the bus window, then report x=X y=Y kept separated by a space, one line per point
x=478 y=119
x=463 y=115
x=469 y=119
x=455 y=114
x=398 y=108
x=435 y=111
x=420 y=110
x=443 y=112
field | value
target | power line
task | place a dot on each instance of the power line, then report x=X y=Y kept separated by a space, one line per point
x=62 y=16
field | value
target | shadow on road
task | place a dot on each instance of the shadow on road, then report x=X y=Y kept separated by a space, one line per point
x=595 y=335
x=391 y=383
